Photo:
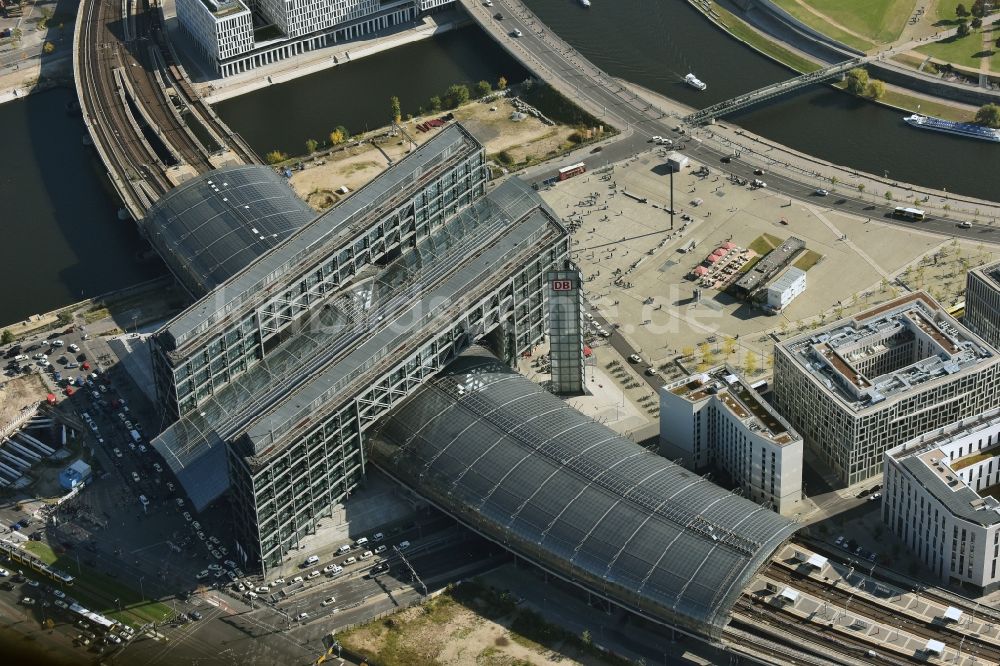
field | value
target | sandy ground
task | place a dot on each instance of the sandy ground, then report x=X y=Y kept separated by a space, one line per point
x=447 y=633
x=18 y=393
x=323 y=176
x=860 y=258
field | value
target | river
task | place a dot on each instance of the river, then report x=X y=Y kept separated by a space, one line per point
x=63 y=240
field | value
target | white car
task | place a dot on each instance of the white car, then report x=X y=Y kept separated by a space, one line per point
x=263 y=589
x=215 y=567
x=202 y=574
x=516 y=33
x=313 y=574
x=59 y=594
x=118 y=453
x=74 y=348
x=635 y=358
x=4 y=572
x=657 y=139
x=302 y=616
x=278 y=581
x=179 y=502
x=187 y=516
x=328 y=601
x=135 y=476
x=821 y=193
x=143 y=500
x=380 y=549
x=157 y=467
x=349 y=561
x=403 y=545
x=365 y=555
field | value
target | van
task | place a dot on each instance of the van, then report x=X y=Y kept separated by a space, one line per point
x=344 y=550
x=350 y=560
x=363 y=541
x=312 y=559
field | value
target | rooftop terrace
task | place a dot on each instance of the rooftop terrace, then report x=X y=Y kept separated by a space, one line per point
x=742 y=400
x=888 y=351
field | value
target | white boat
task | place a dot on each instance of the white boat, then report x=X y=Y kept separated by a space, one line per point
x=695 y=82
x=950 y=127
x=585 y=3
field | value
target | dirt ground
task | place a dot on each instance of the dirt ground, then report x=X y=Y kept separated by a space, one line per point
x=18 y=393
x=446 y=632
x=489 y=122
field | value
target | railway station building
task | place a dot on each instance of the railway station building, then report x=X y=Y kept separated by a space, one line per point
x=940 y=498
x=892 y=373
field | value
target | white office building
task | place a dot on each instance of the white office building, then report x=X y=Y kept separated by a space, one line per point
x=717 y=420
x=940 y=499
x=236 y=38
x=982 y=302
x=785 y=288
x=859 y=385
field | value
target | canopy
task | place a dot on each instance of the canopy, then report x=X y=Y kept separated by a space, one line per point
x=952 y=614
x=789 y=594
x=934 y=647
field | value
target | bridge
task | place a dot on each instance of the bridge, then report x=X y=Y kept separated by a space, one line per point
x=774 y=90
x=149 y=127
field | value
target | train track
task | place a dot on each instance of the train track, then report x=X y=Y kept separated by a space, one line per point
x=861 y=605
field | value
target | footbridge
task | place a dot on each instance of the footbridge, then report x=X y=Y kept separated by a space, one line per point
x=148 y=126
x=774 y=90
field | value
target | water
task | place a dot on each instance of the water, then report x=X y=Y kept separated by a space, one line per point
x=62 y=240
x=356 y=95
x=666 y=39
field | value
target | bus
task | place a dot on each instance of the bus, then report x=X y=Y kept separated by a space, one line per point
x=572 y=170
x=914 y=214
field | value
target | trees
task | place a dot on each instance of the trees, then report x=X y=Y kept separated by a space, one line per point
x=978 y=8
x=989 y=115
x=750 y=363
x=397 y=112
x=48 y=48
x=875 y=89
x=339 y=135
x=435 y=103
x=275 y=156
x=961 y=11
x=857 y=81
x=963 y=28
x=977 y=23
x=861 y=188
x=501 y=83
x=311 y=146
x=456 y=95
x=483 y=88
x=6 y=337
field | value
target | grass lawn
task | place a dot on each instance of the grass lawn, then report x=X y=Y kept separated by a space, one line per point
x=742 y=31
x=965 y=51
x=807 y=260
x=878 y=20
x=796 y=9
x=99 y=592
x=764 y=244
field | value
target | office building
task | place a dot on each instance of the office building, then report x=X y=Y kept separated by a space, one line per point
x=277 y=373
x=889 y=374
x=982 y=303
x=940 y=499
x=716 y=420
x=225 y=33
x=784 y=289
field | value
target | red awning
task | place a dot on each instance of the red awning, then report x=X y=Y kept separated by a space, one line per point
x=729 y=246
x=712 y=258
x=51 y=398
x=587 y=351
x=700 y=270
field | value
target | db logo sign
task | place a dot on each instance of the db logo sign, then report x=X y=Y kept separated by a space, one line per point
x=562 y=285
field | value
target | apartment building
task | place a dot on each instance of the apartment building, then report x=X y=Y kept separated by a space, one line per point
x=940 y=499
x=717 y=420
x=889 y=374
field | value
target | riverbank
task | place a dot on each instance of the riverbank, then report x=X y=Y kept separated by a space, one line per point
x=833 y=177
x=213 y=89
x=27 y=78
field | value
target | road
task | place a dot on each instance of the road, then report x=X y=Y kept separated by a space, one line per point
x=554 y=60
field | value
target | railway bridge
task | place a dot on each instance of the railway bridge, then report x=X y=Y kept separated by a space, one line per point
x=149 y=127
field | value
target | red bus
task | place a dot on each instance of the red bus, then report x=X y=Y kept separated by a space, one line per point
x=572 y=170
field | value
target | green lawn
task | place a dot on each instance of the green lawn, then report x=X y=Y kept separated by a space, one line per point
x=743 y=32
x=99 y=592
x=807 y=260
x=879 y=21
x=765 y=243
x=965 y=51
x=801 y=13
x=944 y=13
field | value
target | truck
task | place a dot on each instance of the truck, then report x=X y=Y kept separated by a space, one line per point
x=135 y=435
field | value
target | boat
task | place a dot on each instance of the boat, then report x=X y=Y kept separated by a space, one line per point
x=585 y=3
x=951 y=127
x=695 y=82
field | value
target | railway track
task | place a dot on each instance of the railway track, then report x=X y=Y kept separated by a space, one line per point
x=880 y=614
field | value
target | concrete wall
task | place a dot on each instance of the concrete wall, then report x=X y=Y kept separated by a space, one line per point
x=926 y=83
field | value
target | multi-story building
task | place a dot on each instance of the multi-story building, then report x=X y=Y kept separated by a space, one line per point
x=982 y=302
x=715 y=419
x=856 y=386
x=278 y=372
x=224 y=29
x=940 y=499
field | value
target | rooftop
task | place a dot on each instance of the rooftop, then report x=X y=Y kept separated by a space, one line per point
x=529 y=471
x=770 y=264
x=255 y=282
x=223 y=8
x=928 y=460
x=888 y=351
x=786 y=279
x=732 y=391
x=213 y=226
